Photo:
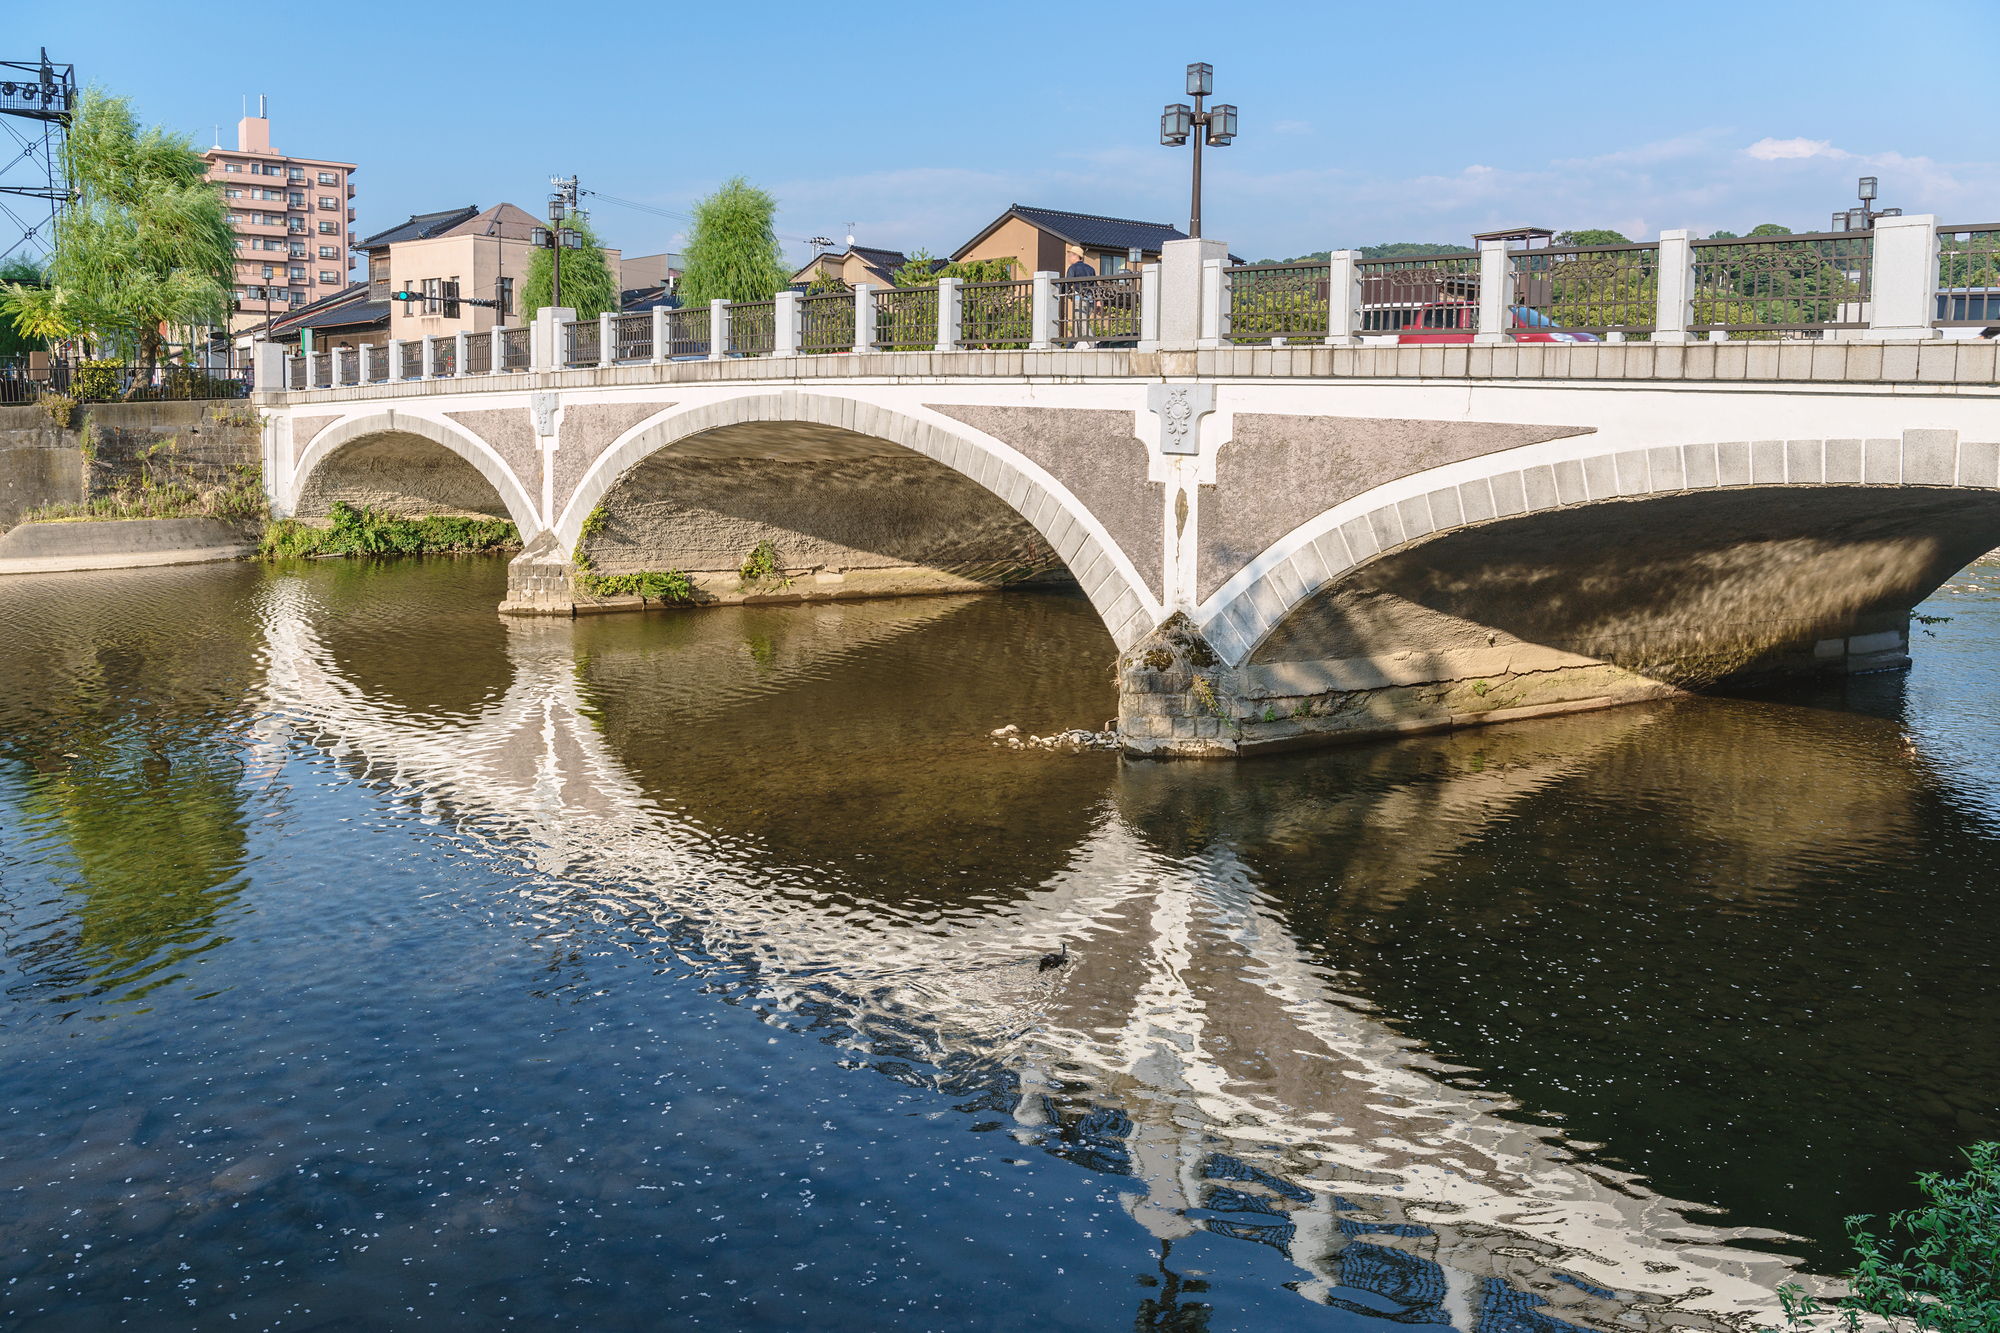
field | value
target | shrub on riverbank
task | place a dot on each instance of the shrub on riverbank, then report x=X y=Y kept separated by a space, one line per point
x=366 y=532
x=1938 y=1268
x=167 y=492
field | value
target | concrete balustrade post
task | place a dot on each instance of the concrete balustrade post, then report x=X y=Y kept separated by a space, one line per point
x=430 y=356
x=333 y=369
x=659 y=334
x=545 y=337
x=1149 y=308
x=1676 y=291
x=1496 y=294
x=459 y=352
x=718 y=329
x=785 y=325
x=496 y=349
x=950 y=312
x=1903 y=284
x=1181 y=290
x=366 y=372
x=864 y=318
x=394 y=370
x=1343 y=298
x=607 y=339
x=1042 y=312
x=267 y=367
x=1214 y=304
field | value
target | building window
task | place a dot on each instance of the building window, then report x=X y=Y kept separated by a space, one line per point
x=232 y=166
x=329 y=252
x=328 y=228
x=431 y=294
x=270 y=272
x=232 y=194
x=328 y=279
x=297 y=173
x=298 y=273
x=296 y=224
x=329 y=178
x=328 y=201
x=298 y=250
x=297 y=199
x=506 y=297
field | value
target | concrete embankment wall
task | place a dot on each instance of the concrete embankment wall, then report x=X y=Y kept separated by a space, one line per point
x=112 y=444
x=123 y=543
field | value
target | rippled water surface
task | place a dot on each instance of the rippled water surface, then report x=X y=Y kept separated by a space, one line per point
x=371 y=962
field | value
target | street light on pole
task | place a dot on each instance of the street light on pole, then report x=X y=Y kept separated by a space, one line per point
x=1217 y=126
x=556 y=238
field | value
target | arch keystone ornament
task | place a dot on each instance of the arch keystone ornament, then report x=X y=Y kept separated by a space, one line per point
x=1180 y=408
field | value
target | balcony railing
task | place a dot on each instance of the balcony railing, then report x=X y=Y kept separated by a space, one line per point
x=1968 y=292
x=1278 y=301
x=1589 y=289
x=1776 y=284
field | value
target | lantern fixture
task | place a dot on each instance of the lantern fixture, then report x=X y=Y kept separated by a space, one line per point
x=1201 y=81
x=1176 y=123
x=1866 y=190
x=1217 y=129
x=1221 y=125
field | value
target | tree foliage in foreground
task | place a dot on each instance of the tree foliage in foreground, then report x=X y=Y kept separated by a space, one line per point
x=144 y=246
x=589 y=287
x=732 y=251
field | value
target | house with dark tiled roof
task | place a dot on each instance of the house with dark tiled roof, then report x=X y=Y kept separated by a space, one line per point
x=1039 y=240
x=463 y=251
x=858 y=263
x=348 y=318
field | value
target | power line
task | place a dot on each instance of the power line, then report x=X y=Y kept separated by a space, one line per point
x=670 y=213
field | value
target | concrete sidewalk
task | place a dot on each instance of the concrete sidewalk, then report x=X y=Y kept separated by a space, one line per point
x=64 y=546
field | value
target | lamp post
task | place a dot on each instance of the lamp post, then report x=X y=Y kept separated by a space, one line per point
x=556 y=238
x=1217 y=126
x=1863 y=218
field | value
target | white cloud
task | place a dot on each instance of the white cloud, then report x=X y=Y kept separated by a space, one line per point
x=1777 y=150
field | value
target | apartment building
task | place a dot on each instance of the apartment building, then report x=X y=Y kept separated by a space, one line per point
x=292 y=217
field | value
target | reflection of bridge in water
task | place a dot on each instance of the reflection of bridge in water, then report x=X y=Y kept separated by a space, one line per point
x=1191 y=1049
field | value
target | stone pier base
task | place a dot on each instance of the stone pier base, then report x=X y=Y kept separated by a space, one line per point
x=1177 y=699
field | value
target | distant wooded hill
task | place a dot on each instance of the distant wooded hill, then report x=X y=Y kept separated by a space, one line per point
x=1395 y=250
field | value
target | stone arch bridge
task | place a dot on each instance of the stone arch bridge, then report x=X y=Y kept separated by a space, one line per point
x=1287 y=546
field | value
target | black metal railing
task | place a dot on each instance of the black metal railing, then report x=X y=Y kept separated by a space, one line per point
x=347 y=367
x=826 y=323
x=108 y=382
x=413 y=360
x=1968 y=276
x=1420 y=291
x=753 y=328
x=580 y=343
x=295 y=372
x=906 y=319
x=1592 y=289
x=514 y=353
x=1773 y=284
x=1097 y=310
x=478 y=353
x=632 y=337
x=997 y=315
x=687 y=333
x=322 y=368
x=444 y=356
x=1278 y=301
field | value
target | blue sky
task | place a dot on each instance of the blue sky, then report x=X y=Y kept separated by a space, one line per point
x=920 y=124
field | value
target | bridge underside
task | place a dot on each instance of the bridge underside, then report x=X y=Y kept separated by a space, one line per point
x=399 y=473
x=1569 y=609
x=838 y=514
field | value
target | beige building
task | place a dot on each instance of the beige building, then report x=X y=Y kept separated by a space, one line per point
x=485 y=253
x=857 y=264
x=1047 y=240
x=291 y=216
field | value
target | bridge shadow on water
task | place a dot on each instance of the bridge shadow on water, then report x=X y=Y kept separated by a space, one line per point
x=1550 y=1025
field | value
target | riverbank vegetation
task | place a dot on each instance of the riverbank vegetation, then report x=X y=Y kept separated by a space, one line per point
x=169 y=491
x=367 y=532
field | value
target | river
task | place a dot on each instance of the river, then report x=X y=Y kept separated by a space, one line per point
x=372 y=962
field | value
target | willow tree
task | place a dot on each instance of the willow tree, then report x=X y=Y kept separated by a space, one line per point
x=143 y=247
x=732 y=252
x=588 y=285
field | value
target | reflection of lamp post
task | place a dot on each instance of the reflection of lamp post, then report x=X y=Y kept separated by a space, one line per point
x=1863 y=218
x=1218 y=126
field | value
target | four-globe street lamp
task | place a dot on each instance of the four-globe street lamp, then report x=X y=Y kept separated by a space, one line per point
x=556 y=238
x=1217 y=126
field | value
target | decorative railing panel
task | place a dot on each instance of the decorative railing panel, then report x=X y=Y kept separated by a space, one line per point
x=478 y=353
x=1775 y=284
x=687 y=333
x=413 y=361
x=753 y=327
x=295 y=372
x=1968 y=276
x=347 y=369
x=1278 y=301
x=997 y=314
x=826 y=323
x=906 y=319
x=634 y=337
x=580 y=343
x=1097 y=311
x=322 y=368
x=1593 y=289
x=444 y=357
x=514 y=353
x=1420 y=292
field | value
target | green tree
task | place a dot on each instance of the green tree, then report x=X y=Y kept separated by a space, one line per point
x=588 y=285
x=923 y=269
x=1770 y=229
x=1592 y=236
x=144 y=247
x=25 y=272
x=732 y=252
